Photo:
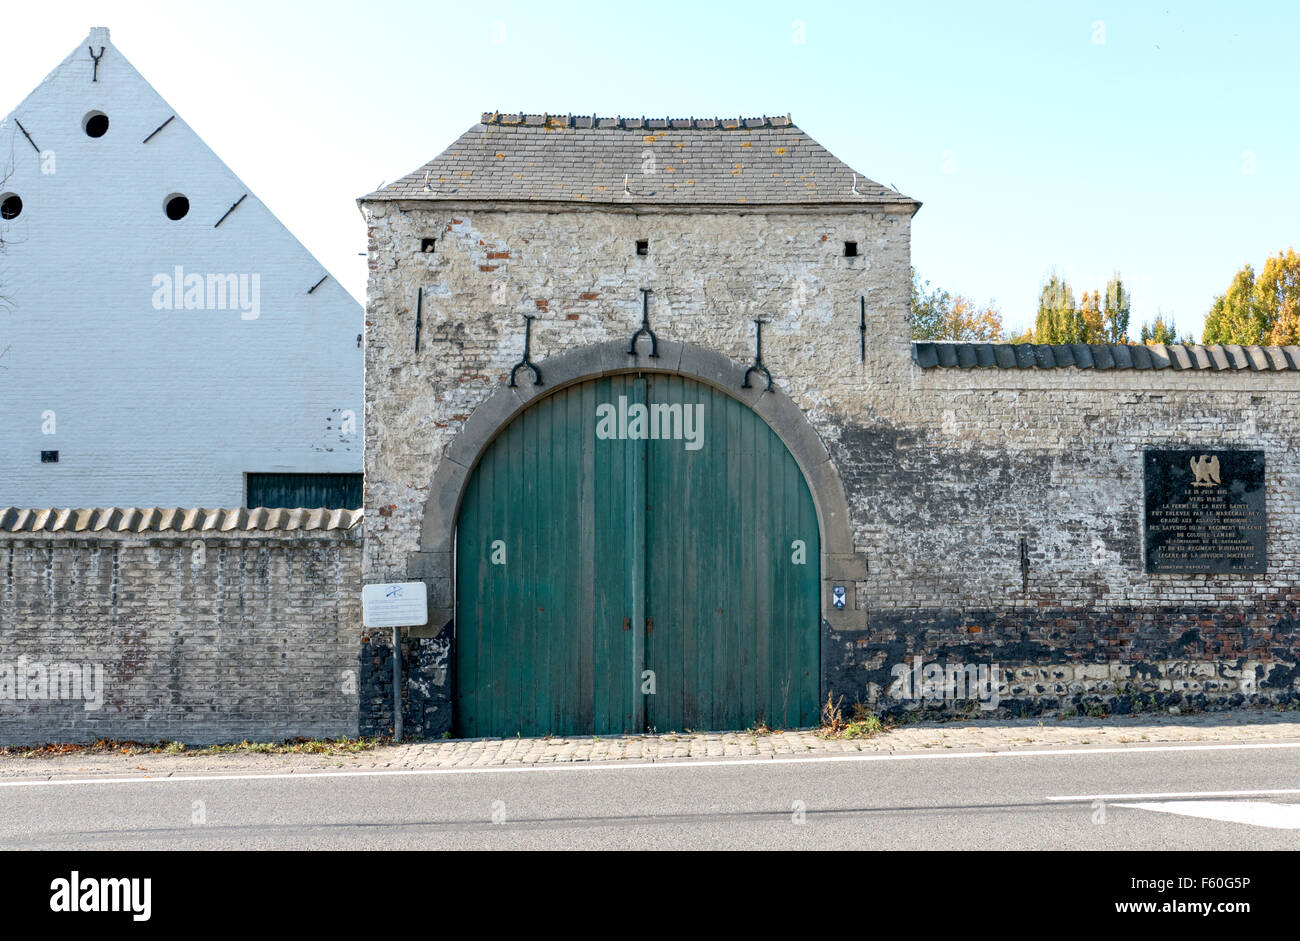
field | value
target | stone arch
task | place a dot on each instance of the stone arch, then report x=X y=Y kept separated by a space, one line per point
x=841 y=565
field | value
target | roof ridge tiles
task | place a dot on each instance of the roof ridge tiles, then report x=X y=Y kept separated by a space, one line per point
x=621 y=122
x=172 y=519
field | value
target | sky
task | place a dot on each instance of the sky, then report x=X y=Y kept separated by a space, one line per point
x=1152 y=139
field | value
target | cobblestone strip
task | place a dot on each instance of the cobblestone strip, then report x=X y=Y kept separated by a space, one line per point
x=991 y=735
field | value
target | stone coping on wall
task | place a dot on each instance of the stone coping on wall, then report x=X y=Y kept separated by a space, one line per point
x=1105 y=356
x=99 y=522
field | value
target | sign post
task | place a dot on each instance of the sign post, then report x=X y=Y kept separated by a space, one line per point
x=395 y=605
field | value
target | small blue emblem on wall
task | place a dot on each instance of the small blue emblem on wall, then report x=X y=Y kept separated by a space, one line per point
x=838 y=597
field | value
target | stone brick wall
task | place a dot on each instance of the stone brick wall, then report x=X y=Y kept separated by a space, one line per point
x=945 y=482
x=945 y=471
x=199 y=637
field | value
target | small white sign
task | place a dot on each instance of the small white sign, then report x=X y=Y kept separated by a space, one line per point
x=404 y=604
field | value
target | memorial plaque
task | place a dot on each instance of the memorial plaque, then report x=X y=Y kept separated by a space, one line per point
x=1205 y=512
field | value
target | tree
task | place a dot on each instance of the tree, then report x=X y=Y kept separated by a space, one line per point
x=1159 y=330
x=1255 y=309
x=929 y=309
x=1115 y=311
x=938 y=315
x=1287 y=329
x=1235 y=316
x=1087 y=320
x=1092 y=320
x=1056 y=321
x=1277 y=292
x=968 y=321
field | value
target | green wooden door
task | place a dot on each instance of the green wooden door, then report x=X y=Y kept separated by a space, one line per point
x=544 y=575
x=628 y=534
x=732 y=573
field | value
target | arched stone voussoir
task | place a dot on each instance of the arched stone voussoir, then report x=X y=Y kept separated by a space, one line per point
x=438 y=529
x=600 y=359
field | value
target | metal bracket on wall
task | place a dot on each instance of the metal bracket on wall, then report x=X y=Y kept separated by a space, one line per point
x=758 y=361
x=645 y=328
x=230 y=210
x=419 y=313
x=527 y=360
x=94 y=77
x=1024 y=565
x=159 y=128
x=26 y=135
x=862 y=328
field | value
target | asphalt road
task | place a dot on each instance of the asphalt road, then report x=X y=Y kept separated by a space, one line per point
x=1050 y=798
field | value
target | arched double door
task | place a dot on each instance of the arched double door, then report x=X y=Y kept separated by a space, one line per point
x=636 y=552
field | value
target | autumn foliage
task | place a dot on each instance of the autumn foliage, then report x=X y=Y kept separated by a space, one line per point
x=1263 y=309
x=938 y=315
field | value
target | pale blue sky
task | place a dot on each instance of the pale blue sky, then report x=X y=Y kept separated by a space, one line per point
x=1089 y=136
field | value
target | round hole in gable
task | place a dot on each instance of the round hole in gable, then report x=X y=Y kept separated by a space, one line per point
x=95 y=124
x=178 y=207
x=11 y=206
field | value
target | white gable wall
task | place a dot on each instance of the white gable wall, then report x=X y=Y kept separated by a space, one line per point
x=155 y=407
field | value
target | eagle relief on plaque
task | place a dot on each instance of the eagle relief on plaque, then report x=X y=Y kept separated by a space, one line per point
x=1205 y=512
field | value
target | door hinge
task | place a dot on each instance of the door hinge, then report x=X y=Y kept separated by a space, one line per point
x=649 y=626
x=627 y=624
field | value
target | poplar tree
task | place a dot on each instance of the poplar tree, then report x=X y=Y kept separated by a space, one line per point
x=1056 y=312
x=1116 y=310
x=1159 y=330
x=1089 y=327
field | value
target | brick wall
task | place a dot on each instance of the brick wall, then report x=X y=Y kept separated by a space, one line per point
x=199 y=637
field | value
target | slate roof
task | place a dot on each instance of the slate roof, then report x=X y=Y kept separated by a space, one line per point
x=160 y=520
x=1105 y=356
x=585 y=158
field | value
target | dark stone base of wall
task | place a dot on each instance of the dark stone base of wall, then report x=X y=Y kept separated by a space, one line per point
x=1044 y=661
x=1101 y=705
x=40 y=726
x=1113 y=662
x=426 y=686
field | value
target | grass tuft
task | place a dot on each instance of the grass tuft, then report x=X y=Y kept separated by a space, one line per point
x=295 y=746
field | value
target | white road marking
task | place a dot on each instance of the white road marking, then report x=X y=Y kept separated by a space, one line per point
x=1254 y=813
x=1169 y=795
x=664 y=765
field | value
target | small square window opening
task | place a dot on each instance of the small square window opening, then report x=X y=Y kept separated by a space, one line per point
x=643 y=246
x=49 y=457
x=427 y=246
x=850 y=249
